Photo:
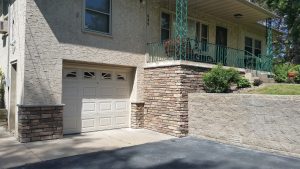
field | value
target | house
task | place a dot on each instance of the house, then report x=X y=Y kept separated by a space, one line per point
x=89 y=65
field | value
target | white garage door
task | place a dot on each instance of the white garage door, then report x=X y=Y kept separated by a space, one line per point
x=95 y=99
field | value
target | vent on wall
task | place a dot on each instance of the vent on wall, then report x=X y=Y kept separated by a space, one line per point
x=3 y=27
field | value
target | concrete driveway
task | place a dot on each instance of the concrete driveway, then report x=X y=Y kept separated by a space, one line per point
x=140 y=149
x=186 y=153
x=13 y=153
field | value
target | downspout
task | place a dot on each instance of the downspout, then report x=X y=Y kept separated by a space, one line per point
x=146 y=34
x=7 y=81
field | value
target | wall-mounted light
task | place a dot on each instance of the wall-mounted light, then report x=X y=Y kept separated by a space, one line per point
x=238 y=15
x=143 y=2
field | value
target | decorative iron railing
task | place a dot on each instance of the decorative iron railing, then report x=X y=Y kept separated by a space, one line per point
x=207 y=53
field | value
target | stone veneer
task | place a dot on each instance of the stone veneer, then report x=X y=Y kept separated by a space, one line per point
x=264 y=122
x=137 y=115
x=37 y=123
x=166 y=97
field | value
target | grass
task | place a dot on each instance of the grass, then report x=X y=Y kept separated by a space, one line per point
x=278 y=89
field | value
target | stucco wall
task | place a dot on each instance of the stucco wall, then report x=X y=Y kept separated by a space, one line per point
x=259 y=121
x=54 y=32
x=14 y=46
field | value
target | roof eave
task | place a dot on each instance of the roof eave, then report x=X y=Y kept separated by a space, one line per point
x=265 y=11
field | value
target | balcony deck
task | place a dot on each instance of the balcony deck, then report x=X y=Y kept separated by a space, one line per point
x=196 y=51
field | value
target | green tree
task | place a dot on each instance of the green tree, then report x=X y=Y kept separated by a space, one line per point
x=289 y=11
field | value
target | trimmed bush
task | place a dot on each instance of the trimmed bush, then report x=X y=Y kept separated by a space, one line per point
x=243 y=83
x=257 y=82
x=219 y=80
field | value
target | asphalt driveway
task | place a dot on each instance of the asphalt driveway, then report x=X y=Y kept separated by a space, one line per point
x=186 y=153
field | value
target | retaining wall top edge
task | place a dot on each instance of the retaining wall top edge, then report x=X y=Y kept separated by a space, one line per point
x=185 y=63
x=234 y=94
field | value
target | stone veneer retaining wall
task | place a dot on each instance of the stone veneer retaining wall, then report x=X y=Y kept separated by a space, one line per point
x=166 y=97
x=137 y=115
x=263 y=122
x=37 y=123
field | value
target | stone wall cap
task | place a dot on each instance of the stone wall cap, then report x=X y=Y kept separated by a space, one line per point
x=186 y=63
x=240 y=94
x=41 y=105
x=138 y=102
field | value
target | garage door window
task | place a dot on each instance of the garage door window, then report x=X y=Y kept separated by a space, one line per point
x=106 y=76
x=89 y=75
x=121 y=76
x=71 y=74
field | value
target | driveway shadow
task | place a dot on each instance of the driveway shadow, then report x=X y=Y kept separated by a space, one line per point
x=185 y=153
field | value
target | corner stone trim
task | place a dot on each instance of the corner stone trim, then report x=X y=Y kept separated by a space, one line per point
x=166 y=97
x=137 y=115
x=38 y=123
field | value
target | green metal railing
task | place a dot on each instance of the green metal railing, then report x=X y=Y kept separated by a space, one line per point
x=207 y=53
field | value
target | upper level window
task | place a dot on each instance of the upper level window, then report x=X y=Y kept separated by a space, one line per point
x=98 y=16
x=4 y=4
x=202 y=35
x=252 y=47
x=165 y=26
x=257 y=49
x=248 y=46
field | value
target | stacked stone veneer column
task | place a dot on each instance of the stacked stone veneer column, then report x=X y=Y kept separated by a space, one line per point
x=137 y=115
x=166 y=97
x=37 y=123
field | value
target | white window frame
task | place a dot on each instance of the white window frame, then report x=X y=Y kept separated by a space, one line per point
x=109 y=34
x=253 y=44
x=170 y=24
x=173 y=17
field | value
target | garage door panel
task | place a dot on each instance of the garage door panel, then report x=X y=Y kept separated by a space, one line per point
x=106 y=92
x=106 y=122
x=121 y=105
x=88 y=123
x=70 y=92
x=122 y=93
x=105 y=106
x=89 y=92
x=121 y=120
x=71 y=107
x=96 y=101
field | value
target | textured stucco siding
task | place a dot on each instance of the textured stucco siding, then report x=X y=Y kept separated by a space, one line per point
x=15 y=48
x=54 y=32
x=258 y=121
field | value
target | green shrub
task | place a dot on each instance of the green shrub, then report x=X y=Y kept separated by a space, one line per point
x=295 y=69
x=243 y=83
x=297 y=78
x=281 y=72
x=257 y=82
x=219 y=80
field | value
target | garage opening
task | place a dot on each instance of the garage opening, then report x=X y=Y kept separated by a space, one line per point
x=96 y=98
